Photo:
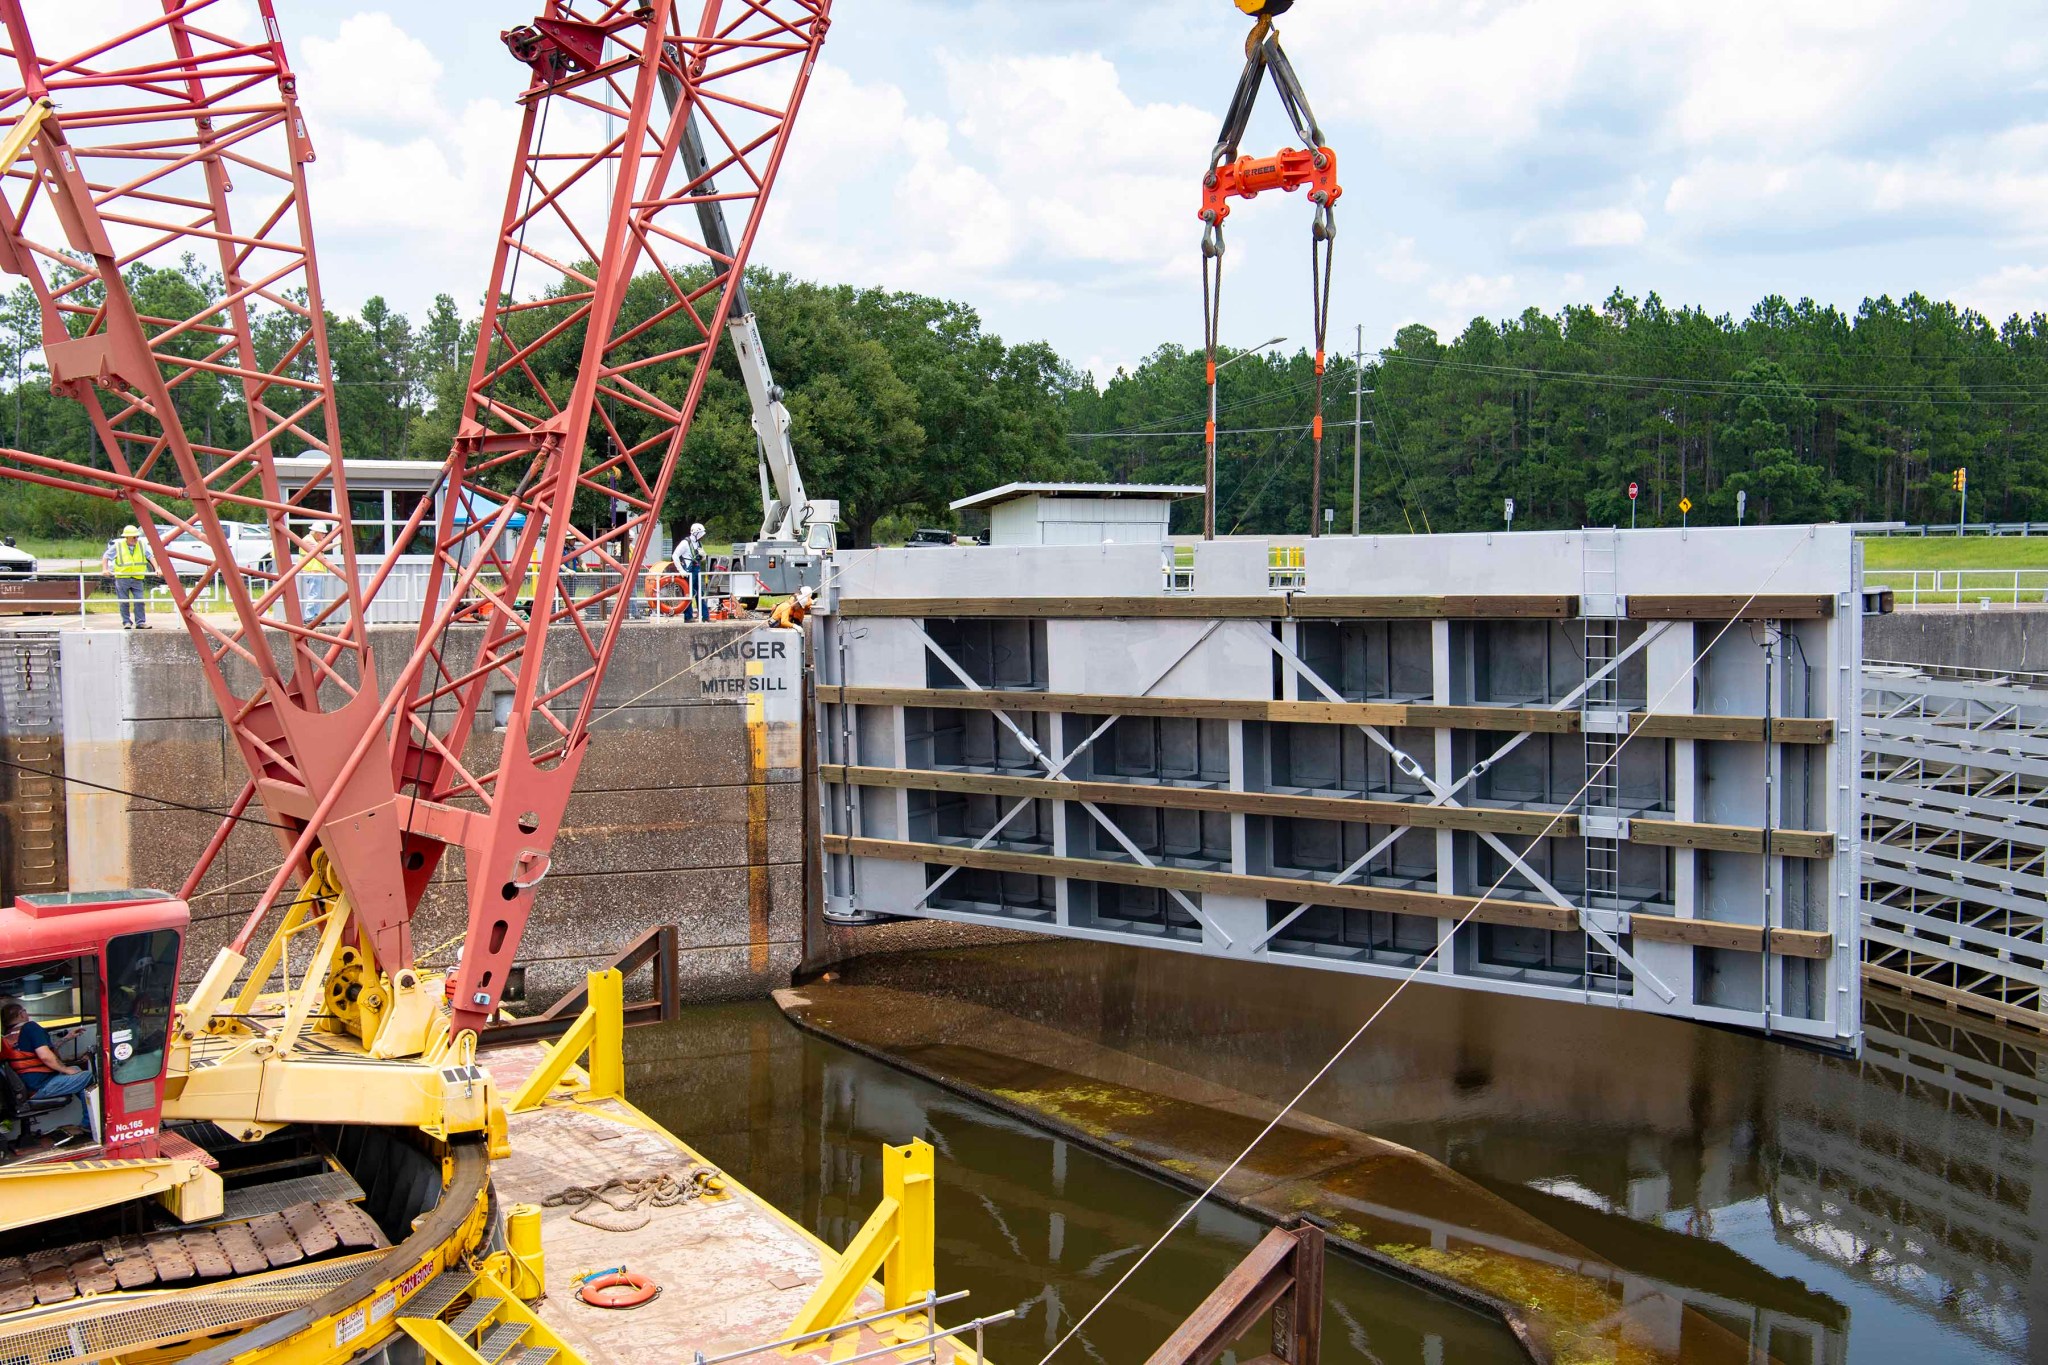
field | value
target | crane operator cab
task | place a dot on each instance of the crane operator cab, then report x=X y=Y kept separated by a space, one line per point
x=88 y=983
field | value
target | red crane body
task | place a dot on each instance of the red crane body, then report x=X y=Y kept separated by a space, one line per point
x=604 y=305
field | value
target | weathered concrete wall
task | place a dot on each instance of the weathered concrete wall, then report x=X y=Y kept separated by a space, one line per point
x=683 y=813
x=2001 y=638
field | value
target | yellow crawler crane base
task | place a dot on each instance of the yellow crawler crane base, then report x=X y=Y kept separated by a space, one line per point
x=321 y=1313
x=47 y=1191
x=336 y=1041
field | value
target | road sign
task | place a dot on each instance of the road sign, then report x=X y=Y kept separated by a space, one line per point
x=1685 y=504
x=1632 y=491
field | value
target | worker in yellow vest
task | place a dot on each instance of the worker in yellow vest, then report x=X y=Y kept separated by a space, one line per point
x=127 y=559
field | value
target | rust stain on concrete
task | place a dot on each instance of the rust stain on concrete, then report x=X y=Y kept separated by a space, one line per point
x=757 y=827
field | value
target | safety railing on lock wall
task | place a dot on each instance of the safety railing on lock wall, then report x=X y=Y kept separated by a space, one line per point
x=1961 y=587
x=1949 y=528
x=664 y=595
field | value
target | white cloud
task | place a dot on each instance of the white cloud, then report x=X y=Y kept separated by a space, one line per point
x=1007 y=188
x=2021 y=289
x=62 y=28
x=1470 y=81
x=1397 y=263
x=1471 y=294
x=371 y=72
x=1997 y=184
x=1464 y=80
x=407 y=188
x=872 y=192
x=1079 y=159
x=1583 y=230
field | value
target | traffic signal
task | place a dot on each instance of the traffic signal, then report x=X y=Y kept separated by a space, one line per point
x=1962 y=480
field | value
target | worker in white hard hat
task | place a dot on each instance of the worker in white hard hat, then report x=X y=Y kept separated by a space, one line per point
x=689 y=559
x=790 y=614
x=127 y=559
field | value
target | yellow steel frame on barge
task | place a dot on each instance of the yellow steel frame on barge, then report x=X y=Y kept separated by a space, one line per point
x=349 y=1308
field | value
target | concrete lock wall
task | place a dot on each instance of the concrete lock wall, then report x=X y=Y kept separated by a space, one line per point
x=688 y=807
x=2002 y=638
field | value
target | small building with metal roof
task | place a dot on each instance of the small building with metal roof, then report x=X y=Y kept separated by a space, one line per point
x=1078 y=513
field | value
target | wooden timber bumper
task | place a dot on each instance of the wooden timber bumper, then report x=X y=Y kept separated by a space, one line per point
x=1789 y=843
x=1509 y=719
x=1808 y=943
x=1302 y=606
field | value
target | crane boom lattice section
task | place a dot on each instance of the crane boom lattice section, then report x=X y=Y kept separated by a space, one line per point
x=154 y=200
x=606 y=302
x=194 y=337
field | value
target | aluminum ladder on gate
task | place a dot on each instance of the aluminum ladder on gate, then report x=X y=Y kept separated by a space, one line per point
x=1603 y=724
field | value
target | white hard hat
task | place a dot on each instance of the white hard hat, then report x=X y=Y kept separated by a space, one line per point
x=696 y=530
x=803 y=595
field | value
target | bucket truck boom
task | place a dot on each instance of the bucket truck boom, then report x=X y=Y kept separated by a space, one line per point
x=797 y=534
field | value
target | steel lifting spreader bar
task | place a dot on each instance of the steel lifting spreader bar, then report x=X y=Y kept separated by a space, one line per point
x=1314 y=164
x=1229 y=176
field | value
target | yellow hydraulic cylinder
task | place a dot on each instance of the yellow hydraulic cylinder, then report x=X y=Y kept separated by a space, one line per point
x=522 y=1238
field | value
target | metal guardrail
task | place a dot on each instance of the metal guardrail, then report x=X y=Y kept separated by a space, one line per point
x=1975 y=528
x=659 y=946
x=1961 y=587
x=1961 y=672
x=402 y=598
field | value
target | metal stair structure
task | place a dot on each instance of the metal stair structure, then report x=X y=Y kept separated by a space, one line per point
x=489 y=1324
x=1604 y=724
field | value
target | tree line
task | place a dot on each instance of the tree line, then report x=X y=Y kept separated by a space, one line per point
x=1814 y=413
x=900 y=403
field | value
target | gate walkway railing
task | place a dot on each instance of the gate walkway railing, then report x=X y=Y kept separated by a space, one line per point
x=1961 y=587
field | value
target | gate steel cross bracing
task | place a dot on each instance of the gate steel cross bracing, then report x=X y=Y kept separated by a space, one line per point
x=128 y=154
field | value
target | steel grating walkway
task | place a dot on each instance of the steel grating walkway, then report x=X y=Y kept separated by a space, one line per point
x=1955 y=837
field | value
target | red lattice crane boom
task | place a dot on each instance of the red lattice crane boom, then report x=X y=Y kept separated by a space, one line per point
x=604 y=304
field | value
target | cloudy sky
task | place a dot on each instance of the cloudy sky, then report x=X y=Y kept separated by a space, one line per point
x=1041 y=159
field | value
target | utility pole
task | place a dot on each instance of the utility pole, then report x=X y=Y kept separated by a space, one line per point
x=1357 y=422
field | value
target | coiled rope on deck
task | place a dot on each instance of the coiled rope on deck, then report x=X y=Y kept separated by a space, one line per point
x=627 y=1203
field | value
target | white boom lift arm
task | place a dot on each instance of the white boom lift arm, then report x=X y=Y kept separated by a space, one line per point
x=780 y=556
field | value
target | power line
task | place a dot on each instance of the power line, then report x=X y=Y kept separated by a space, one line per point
x=143 y=796
x=1220 y=431
x=1696 y=384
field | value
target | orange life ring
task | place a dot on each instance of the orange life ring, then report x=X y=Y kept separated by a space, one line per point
x=617 y=1289
x=671 y=593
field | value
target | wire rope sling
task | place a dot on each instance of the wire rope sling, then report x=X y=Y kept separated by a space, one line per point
x=1231 y=176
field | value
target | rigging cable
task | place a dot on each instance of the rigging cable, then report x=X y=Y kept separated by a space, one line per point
x=1314 y=167
x=70 y=781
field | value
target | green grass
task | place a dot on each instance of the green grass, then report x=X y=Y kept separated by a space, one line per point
x=48 y=547
x=1955 y=552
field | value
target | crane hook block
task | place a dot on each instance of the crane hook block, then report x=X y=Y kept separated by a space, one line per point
x=1265 y=9
x=1289 y=169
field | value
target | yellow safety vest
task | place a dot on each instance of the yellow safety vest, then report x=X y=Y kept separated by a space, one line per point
x=131 y=558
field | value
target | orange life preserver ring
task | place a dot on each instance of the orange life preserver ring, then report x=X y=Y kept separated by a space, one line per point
x=617 y=1289
x=670 y=591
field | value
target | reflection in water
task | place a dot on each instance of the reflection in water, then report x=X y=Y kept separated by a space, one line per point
x=1821 y=1210
x=1025 y=1219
